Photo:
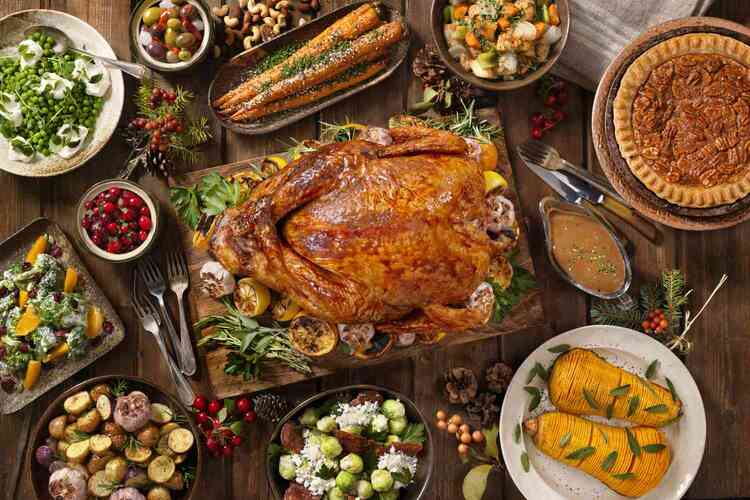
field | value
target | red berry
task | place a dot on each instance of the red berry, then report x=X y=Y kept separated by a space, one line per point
x=551 y=101
x=537 y=119
x=236 y=441
x=145 y=211
x=86 y=222
x=549 y=123
x=214 y=407
x=250 y=417
x=559 y=115
x=243 y=405
x=537 y=133
x=658 y=311
x=212 y=444
x=562 y=97
x=226 y=450
x=216 y=424
x=663 y=324
x=96 y=238
x=125 y=241
x=89 y=205
x=201 y=418
x=200 y=402
x=144 y=223
x=143 y=236
x=135 y=201
x=128 y=214
x=112 y=228
x=115 y=191
x=114 y=246
x=24 y=348
x=646 y=325
x=109 y=207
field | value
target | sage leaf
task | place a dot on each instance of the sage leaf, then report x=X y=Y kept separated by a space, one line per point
x=475 y=482
x=565 y=440
x=590 y=399
x=559 y=348
x=536 y=397
x=651 y=370
x=517 y=434
x=657 y=409
x=490 y=440
x=633 y=406
x=525 y=462
x=581 y=453
x=604 y=436
x=624 y=476
x=541 y=371
x=653 y=448
x=609 y=462
x=620 y=391
x=532 y=374
x=672 y=390
x=610 y=410
x=633 y=443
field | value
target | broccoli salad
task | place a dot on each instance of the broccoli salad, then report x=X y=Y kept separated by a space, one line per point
x=44 y=319
x=50 y=98
x=364 y=448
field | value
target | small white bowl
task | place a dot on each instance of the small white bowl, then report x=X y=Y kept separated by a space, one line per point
x=152 y=205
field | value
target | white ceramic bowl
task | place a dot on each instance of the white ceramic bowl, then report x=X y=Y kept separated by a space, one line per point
x=152 y=205
x=84 y=37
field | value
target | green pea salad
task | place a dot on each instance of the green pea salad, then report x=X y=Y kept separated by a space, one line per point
x=50 y=99
x=363 y=448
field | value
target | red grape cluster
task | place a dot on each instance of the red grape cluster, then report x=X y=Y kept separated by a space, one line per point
x=555 y=97
x=117 y=220
x=222 y=421
x=162 y=128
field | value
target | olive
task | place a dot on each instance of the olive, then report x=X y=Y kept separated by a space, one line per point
x=172 y=57
x=155 y=50
x=185 y=40
x=151 y=15
x=188 y=11
x=185 y=55
x=174 y=24
x=170 y=37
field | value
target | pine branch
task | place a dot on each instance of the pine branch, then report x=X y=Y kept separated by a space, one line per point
x=651 y=297
x=608 y=313
x=675 y=297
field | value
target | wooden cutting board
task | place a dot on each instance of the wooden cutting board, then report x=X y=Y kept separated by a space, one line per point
x=527 y=314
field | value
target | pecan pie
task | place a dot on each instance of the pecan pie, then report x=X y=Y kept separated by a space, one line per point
x=682 y=119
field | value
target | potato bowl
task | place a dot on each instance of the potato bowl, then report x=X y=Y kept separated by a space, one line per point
x=436 y=22
x=416 y=491
x=39 y=475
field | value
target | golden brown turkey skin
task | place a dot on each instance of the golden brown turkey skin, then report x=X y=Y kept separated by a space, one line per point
x=360 y=232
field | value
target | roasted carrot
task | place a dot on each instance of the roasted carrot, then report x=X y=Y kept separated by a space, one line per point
x=472 y=40
x=321 y=68
x=349 y=79
x=459 y=11
x=349 y=27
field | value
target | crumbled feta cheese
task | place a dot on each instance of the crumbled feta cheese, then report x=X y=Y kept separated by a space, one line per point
x=10 y=109
x=360 y=415
x=30 y=52
x=68 y=140
x=55 y=85
x=308 y=462
x=21 y=150
x=396 y=461
x=93 y=74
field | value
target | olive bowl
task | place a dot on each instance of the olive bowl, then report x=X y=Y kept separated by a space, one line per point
x=39 y=475
x=436 y=23
x=419 y=487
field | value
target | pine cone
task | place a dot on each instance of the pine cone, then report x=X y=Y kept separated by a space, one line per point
x=498 y=377
x=270 y=407
x=486 y=408
x=428 y=66
x=157 y=162
x=460 y=385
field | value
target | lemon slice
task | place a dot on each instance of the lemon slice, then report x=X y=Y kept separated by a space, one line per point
x=493 y=180
x=313 y=336
x=251 y=297
x=285 y=309
x=501 y=271
x=279 y=161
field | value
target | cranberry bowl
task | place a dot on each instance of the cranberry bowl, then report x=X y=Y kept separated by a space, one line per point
x=117 y=220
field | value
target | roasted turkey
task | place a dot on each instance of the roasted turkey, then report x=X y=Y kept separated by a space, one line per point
x=390 y=229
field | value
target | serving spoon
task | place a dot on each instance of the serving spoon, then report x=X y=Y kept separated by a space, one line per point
x=134 y=69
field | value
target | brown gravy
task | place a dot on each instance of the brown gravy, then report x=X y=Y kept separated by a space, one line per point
x=585 y=250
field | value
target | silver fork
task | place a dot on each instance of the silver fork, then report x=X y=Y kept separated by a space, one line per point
x=147 y=313
x=177 y=273
x=154 y=280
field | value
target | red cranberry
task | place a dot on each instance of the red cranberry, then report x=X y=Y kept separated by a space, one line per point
x=236 y=441
x=562 y=97
x=549 y=123
x=135 y=201
x=200 y=403
x=145 y=211
x=250 y=417
x=23 y=347
x=144 y=223
x=201 y=418
x=551 y=101
x=143 y=236
x=109 y=208
x=212 y=444
x=243 y=405
x=537 y=119
x=133 y=226
x=57 y=297
x=226 y=450
x=115 y=191
x=113 y=228
x=559 y=115
x=114 y=246
x=537 y=133
x=128 y=214
x=125 y=241
x=216 y=423
x=214 y=407
x=108 y=327
x=96 y=239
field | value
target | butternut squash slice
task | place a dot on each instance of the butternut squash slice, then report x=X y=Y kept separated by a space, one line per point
x=28 y=322
x=23 y=297
x=603 y=451
x=33 y=369
x=39 y=246
x=71 y=280
x=94 y=322
x=57 y=352
x=583 y=383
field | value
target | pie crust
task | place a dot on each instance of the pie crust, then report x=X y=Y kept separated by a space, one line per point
x=682 y=119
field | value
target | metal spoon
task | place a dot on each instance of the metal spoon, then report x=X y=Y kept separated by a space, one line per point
x=134 y=69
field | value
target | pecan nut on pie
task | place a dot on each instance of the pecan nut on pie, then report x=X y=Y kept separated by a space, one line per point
x=682 y=119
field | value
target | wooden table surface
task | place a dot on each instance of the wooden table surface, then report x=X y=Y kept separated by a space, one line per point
x=720 y=361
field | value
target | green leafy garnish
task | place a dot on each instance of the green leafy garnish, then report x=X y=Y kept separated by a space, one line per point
x=633 y=443
x=517 y=434
x=657 y=409
x=672 y=390
x=624 y=476
x=210 y=197
x=525 y=462
x=505 y=300
x=558 y=349
x=536 y=397
x=633 y=405
x=581 y=453
x=653 y=448
x=565 y=440
x=620 y=391
x=651 y=370
x=414 y=433
x=590 y=400
x=609 y=462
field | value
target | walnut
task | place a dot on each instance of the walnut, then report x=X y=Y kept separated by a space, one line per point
x=460 y=385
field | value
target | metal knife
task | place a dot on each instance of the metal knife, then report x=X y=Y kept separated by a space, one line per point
x=580 y=192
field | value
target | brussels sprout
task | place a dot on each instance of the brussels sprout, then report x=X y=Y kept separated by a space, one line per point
x=352 y=463
x=309 y=418
x=389 y=495
x=315 y=436
x=326 y=424
x=353 y=429
x=397 y=425
x=287 y=469
x=379 y=424
x=345 y=480
x=336 y=494
x=393 y=408
x=381 y=480
x=392 y=438
x=364 y=489
x=331 y=447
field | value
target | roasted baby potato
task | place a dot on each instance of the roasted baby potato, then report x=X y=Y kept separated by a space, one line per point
x=99 y=390
x=160 y=413
x=161 y=469
x=89 y=421
x=148 y=436
x=104 y=407
x=176 y=482
x=57 y=426
x=100 y=443
x=98 y=462
x=138 y=454
x=180 y=440
x=116 y=469
x=77 y=452
x=167 y=428
x=159 y=493
x=78 y=403
x=162 y=447
x=100 y=486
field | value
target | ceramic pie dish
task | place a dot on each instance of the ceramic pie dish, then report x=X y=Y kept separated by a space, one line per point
x=705 y=215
